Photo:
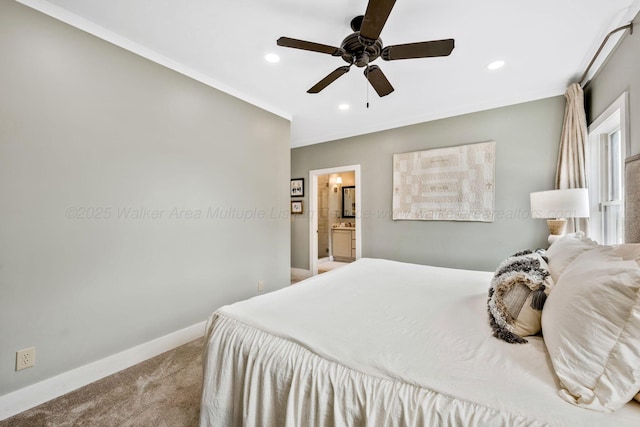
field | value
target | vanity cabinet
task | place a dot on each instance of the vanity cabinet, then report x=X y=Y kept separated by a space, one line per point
x=343 y=242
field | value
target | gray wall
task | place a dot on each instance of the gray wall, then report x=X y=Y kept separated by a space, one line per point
x=620 y=73
x=527 y=138
x=87 y=125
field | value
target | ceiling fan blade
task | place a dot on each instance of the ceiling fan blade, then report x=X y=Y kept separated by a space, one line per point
x=305 y=45
x=418 y=50
x=378 y=80
x=374 y=19
x=332 y=77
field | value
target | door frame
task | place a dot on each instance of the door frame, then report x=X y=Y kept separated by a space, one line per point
x=313 y=211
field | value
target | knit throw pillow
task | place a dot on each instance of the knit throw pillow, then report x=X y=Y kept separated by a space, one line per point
x=517 y=294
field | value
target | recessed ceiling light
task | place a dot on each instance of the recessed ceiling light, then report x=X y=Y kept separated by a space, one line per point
x=343 y=107
x=495 y=65
x=272 y=57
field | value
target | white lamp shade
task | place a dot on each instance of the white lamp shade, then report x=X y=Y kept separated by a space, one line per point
x=570 y=203
x=339 y=180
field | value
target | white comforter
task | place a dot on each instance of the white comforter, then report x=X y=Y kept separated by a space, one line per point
x=380 y=343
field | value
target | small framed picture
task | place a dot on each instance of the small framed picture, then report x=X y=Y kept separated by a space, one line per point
x=297 y=187
x=296 y=207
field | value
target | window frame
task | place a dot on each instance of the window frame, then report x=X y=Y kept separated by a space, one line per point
x=615 y=117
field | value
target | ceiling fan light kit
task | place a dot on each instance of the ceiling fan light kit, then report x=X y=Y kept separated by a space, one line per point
x=364 y=46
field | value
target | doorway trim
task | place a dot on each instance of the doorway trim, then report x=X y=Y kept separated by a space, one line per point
x=313 y=211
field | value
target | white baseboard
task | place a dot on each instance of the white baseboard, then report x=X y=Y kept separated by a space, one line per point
x=28 y=397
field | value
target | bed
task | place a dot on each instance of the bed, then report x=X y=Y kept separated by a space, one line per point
x=381 y=343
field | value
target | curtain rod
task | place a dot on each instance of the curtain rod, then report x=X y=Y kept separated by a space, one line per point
x=602 y=45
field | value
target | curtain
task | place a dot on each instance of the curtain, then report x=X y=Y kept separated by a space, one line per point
x=571 y=170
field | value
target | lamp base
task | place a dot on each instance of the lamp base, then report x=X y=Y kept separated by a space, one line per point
x=556 y=228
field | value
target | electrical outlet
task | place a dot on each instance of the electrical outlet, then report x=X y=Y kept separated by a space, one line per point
x=25 y=358
x=260 y=286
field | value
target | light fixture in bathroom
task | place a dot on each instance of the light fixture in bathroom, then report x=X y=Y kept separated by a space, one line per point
x=338 y=183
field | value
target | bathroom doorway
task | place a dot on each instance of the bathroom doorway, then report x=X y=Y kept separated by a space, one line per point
x=336 y=204
x=334 y=232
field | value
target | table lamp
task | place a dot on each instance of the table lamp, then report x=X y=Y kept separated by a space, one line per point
x=557 y=206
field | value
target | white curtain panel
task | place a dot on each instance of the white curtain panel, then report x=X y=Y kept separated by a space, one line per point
x=571 y=170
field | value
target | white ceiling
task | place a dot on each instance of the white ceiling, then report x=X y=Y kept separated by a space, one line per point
x=546 y=44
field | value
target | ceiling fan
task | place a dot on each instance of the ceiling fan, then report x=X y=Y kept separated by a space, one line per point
x=364 y=46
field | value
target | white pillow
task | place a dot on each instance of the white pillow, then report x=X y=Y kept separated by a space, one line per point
x=627 y=251
x=564 y=250
x=591 y=327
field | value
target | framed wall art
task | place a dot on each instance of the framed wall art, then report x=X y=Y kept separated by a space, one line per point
x=296 y=207
x=445 y=184
x=297 y=187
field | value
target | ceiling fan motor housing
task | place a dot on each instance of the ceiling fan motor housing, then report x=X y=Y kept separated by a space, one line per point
x=357 y=53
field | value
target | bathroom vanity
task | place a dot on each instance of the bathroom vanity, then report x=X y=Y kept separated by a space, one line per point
x=343 y=241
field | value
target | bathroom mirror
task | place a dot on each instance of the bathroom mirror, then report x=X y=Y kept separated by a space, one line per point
x=349 y=202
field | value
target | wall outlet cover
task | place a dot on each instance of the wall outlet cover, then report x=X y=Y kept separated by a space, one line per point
x=25 y=358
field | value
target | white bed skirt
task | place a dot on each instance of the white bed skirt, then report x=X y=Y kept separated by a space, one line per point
x=263 y=380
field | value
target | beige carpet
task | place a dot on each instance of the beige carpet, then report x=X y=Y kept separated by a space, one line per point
x=163 y=391
x=298 y=275
x=330 y=265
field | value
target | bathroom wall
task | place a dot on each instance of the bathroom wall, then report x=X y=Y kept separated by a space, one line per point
x=324 y=217
x=348 y=179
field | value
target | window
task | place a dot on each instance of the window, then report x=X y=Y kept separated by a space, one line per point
x=606 y=150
